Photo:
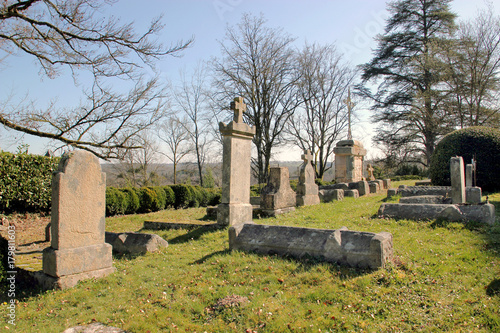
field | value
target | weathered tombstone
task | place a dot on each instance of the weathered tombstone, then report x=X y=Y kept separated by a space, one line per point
x=349 y=156
x=468 y=175
x=362 y=187
x=351 y=193
x=370 y=170
x=277 y=197
x=237 y=136
x=77 y=250
x=331 y=195
x=387 y=183
x=374 y=187
x=392 y=192
x=307 y=190
x=457 y=180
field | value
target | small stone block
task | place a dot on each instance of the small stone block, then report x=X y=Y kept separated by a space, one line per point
x=351 y=193
x=374 y=187
x=473 y=195
x=392 y=192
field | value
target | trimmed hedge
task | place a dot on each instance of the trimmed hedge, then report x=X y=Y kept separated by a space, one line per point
x=183 y=195
x=25 y=182
x=116 y=201
x=133 y=201
x=481 y=142
x=152 y=199
x=169 y=197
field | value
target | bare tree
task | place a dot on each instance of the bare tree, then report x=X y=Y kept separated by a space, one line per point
x=173 y=133
x=71 y=35
x=191 y=99
x=142 y=163
x=257 y=64
x=474 y=67
x=324 y=80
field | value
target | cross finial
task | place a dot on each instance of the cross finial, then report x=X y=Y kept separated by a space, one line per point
x=350 y=105
x=307 y=156
x=238 y=108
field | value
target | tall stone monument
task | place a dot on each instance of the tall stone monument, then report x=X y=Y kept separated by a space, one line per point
x=307 y=190
x=77 y=249
x=277 y=197
x=457 y=180
x=349 y=155
x=235 y=204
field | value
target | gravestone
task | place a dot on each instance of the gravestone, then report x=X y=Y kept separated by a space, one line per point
x=468 y=175
x=457 y=180
x=307 y=190
x=277 y=197
x=351 y=193
x=331 y=195
x=370 y=169
x=361 y=186
x=349 y=156
x=77 y=249
x=374 y=187
x=237 y=136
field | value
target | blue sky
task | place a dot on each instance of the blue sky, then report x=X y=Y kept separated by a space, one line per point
x=351 y=25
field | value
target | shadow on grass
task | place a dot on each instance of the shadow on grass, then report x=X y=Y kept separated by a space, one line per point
x=305 y=263
x=25 y=286
x=193 y=234
x=208 y=256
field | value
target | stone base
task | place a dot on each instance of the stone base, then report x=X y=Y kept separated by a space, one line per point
x=275 y=212
x=48 y=282
x=345 y=247
x=231 y=214
x=63 y=262
x=308 y=200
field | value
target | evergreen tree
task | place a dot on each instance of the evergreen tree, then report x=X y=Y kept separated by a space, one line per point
x=409 y=73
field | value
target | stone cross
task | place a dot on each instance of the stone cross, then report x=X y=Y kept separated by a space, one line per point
x=307 y=190
x=238 y=108
x=350 y=105
x=235 y=207
x=370 y=170
x=307 y=156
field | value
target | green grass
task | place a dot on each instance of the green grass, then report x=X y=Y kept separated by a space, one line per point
x=439 y=281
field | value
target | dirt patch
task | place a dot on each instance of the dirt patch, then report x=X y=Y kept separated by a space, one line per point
x=30 y=237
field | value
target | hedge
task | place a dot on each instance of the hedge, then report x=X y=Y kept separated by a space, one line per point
x=133 y=201
x=183 y=195
x=483 y=143
x=25 y=182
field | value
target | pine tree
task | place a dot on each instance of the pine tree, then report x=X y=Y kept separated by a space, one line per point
x=408 y=70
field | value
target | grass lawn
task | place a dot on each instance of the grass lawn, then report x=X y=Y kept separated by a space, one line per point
x=441 y=281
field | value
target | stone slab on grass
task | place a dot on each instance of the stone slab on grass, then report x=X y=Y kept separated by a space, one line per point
x=135 y=242
x=342 y=246
x=425 y=199
x=483 y=213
